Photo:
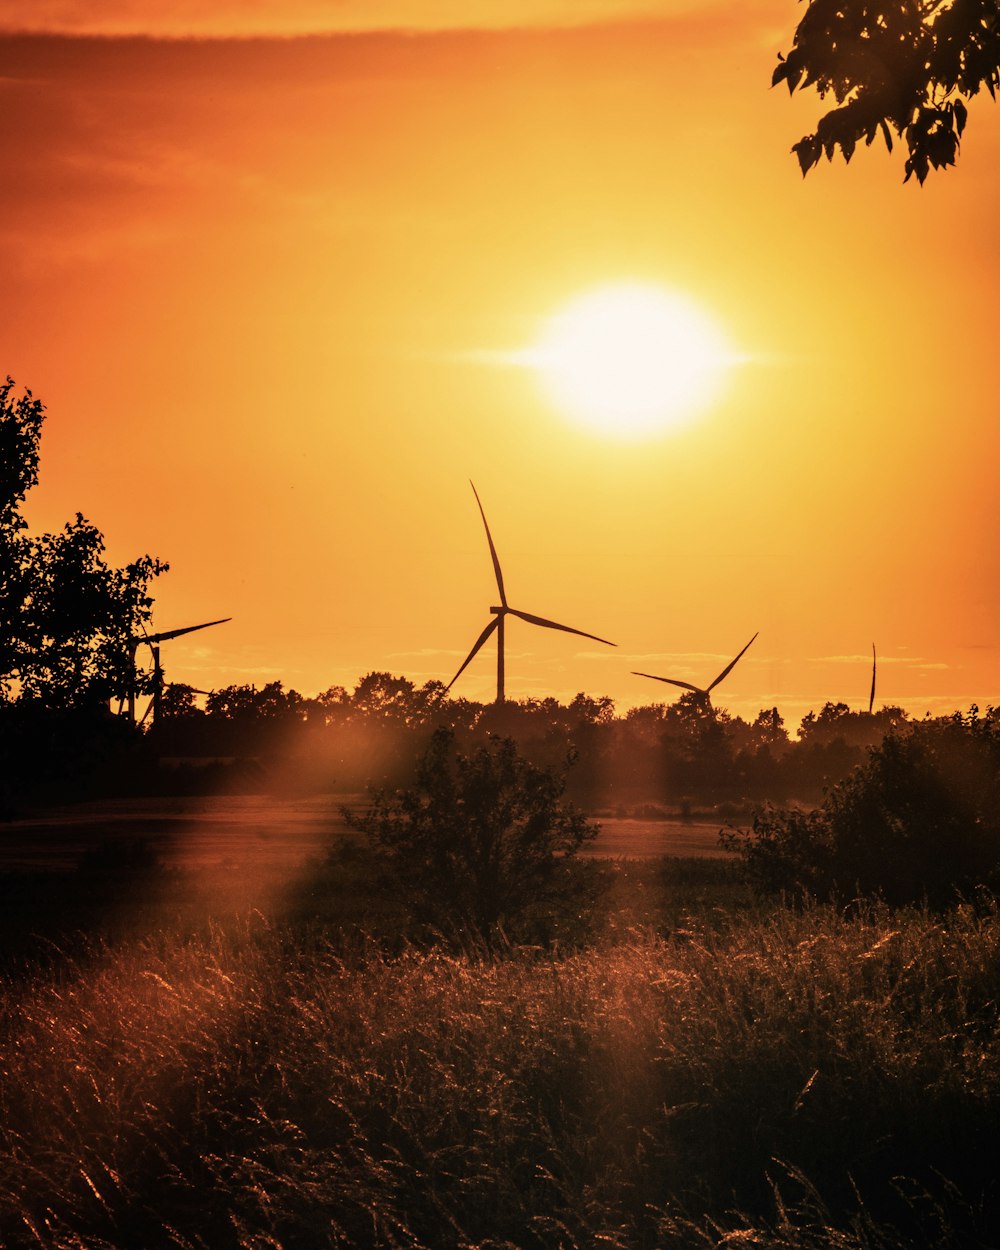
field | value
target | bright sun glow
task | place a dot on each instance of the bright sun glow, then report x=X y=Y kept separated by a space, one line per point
x=631 y=359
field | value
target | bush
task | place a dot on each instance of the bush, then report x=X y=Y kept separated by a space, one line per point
x=479 y=847
x=920 y=820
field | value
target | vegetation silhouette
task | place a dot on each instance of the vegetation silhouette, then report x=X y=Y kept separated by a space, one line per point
x=256 y=1085
x=500 y=612
x=685 y=757
x=479 y=845
x=905 y=68
x=919 y=821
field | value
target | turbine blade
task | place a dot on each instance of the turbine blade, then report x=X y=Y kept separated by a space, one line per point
x=187 y=629
x=493 y=550
x=730 y=666
x=672 y=681
x=475 y=650
x=871 y=700
x=567 y=629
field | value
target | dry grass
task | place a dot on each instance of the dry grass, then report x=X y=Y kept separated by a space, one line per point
x=744 y=1083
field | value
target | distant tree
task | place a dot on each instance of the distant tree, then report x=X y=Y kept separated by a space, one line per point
x=769 y=728
x=903 y=66
x=837 y=721
x=388 y=697
x=590 y=711
x=67 y=616
x=480 y=844
x=329 y=707
x=698 y=749
x=177 y=703
x=248 y=704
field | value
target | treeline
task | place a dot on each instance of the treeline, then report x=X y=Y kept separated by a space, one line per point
x=682 y=756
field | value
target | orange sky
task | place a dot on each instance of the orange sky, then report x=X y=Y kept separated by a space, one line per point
x=258 y=284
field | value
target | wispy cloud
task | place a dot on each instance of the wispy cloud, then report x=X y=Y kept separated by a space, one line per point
x=237 y=18
x=911 y=661
x=688 y=657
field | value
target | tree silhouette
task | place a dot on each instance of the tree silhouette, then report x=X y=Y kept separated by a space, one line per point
x=916 y=822
x=20 y=432
x=67 y=616
x=903 y=66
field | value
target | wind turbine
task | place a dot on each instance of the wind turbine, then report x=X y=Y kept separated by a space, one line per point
x=674 y=681
x=153 y=642
x=871 y=699
x=502 y=610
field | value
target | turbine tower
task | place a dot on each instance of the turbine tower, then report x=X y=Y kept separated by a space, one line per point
x=705 y=691
x=502 y=610
x=871 y=699
x=153 y=642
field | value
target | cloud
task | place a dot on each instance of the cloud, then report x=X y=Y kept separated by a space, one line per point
x=240 y=19
x=913 y=661
x=698 y=658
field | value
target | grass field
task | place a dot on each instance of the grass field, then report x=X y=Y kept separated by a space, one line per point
x=798 y=1079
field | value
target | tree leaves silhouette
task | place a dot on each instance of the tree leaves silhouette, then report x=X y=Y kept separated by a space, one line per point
x=895 y=66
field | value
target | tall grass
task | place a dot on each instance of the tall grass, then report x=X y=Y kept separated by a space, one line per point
x=804 y=1080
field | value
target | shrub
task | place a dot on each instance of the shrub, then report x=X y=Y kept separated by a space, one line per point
x=920 y=820
x=479 y=847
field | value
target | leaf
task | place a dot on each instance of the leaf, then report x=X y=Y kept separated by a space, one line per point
x=807 y=151
x=961 y=115
x=887 y=135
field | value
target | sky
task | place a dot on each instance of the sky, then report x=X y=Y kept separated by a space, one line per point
x=272 y=269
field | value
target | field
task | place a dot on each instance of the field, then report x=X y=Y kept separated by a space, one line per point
x=269 y=835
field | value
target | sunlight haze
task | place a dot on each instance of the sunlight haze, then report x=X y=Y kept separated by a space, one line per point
x=257 y=282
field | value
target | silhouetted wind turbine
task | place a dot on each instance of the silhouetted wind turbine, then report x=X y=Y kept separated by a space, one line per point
x=871 y=700
x=504 y=609
x=153 y=642
x=674 y=681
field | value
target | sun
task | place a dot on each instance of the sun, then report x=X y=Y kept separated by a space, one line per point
x=631 y=359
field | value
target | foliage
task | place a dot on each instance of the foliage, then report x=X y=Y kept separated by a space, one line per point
x=69 y=618
x=477 y=845
x=685 y=755
x=20 y=432
x=244 y=1088
x=836 y=720
x=919 y=820
x=79 y=618
x=903 y=66
x=385 y=696
x=248 y=704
